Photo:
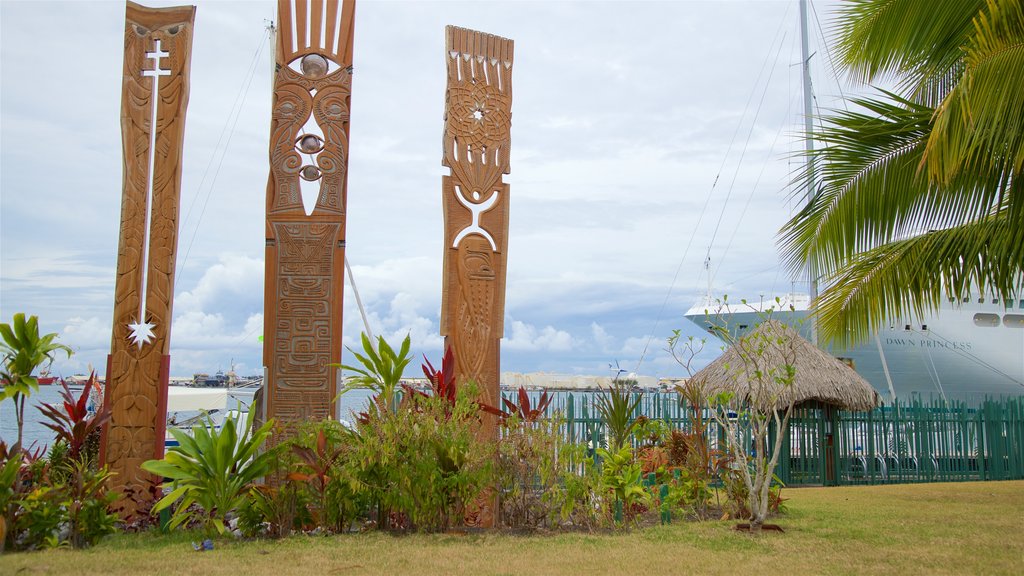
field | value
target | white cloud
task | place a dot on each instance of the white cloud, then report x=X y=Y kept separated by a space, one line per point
x=526 y=337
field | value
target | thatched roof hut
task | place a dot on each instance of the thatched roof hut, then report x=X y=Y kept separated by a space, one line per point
x=772 y=345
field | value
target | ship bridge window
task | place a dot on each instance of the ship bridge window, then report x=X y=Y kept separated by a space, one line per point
x=986 y=320
x=1013 y=320
x=1021 y=304
x=924 y=327
x=906 y=327
x=744 y=326
x=981 y=300
x=966 y=299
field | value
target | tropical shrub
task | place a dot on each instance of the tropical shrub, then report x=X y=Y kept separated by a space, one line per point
x=38 y=521
x=213 y=469
x=275 y=511
x=320 y=455
x=87 y=502
x=23 y=351
x=423 y=462
x=527 y=470
x=621 y=482
x=617 y=407
x=576 y=494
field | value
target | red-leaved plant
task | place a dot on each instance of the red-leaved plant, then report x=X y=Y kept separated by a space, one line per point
x=315 y=464
x=524 y=410
x=72 y=421
x=442 y=382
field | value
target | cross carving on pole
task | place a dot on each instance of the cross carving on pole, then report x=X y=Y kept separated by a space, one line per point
x=141 y=330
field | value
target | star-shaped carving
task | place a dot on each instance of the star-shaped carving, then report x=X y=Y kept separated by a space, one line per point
x=142 y=333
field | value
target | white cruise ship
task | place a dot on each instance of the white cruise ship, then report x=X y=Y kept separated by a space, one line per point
x=970 y=349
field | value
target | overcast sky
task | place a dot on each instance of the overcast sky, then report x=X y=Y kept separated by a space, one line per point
x=624 y=115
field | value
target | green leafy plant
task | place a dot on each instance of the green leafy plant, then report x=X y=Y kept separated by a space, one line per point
x=39 y=518
x=574 y=494
x=381 y=370
x=423 y=463
x=23 y=351
x=87 y=502
x=617 y=407
x=10 y=469
x=621 y=479
x=213 y=469
x=21 y=471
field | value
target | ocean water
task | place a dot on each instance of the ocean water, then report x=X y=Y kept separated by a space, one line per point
x=38 y=435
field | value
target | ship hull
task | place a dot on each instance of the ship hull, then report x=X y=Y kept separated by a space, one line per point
x=967 y=351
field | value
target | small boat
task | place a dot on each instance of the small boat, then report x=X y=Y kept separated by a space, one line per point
x=188 y=406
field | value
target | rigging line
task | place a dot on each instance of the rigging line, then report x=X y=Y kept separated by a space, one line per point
x=938 y=378
x=969 y=356
x=828 y=55
x=223 y=131
x=746 y=205
x=220 y=163
x=746 y=144
x=707 y=200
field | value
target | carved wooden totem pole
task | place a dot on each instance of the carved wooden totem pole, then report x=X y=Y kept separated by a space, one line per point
x=305 y=252
x=154 y=95
x=478 y=118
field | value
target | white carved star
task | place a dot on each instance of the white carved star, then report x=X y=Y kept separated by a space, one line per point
x=142 y=333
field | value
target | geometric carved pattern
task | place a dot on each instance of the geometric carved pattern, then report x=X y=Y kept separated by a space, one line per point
x=477 y=139
x=157 y=53
x=306 y=191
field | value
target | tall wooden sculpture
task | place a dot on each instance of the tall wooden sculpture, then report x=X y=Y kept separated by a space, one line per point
x=478 y=118
x=305 y=252
x=154 y=95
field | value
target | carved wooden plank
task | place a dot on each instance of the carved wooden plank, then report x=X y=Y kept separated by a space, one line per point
x=305 y=250
x=157 y=55
x=478 y=119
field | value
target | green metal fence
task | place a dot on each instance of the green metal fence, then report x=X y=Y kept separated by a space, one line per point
x=912 y=441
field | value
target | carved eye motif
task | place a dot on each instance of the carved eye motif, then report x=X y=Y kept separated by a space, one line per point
x=314 y=66
x=309 y=144
x=310 y=173
x=140 y=30
x=173 y=30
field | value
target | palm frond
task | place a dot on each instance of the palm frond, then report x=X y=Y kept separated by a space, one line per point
x=911 y=277
x=870 y=189
x=980 y=124
x=912 y=42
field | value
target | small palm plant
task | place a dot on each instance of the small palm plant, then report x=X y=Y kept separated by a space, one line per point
x=213 y=469
x=23 y=351
x=381 y=370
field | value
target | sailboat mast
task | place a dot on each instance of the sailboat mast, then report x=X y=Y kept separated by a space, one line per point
x=812 y=269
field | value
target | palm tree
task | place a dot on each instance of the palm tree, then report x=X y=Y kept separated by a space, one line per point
x=23 y=351
x=917 y=197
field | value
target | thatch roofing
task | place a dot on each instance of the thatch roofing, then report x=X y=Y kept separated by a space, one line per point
x=771 y=346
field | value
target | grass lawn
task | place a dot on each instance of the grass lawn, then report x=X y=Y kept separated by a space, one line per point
x=964 y=528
